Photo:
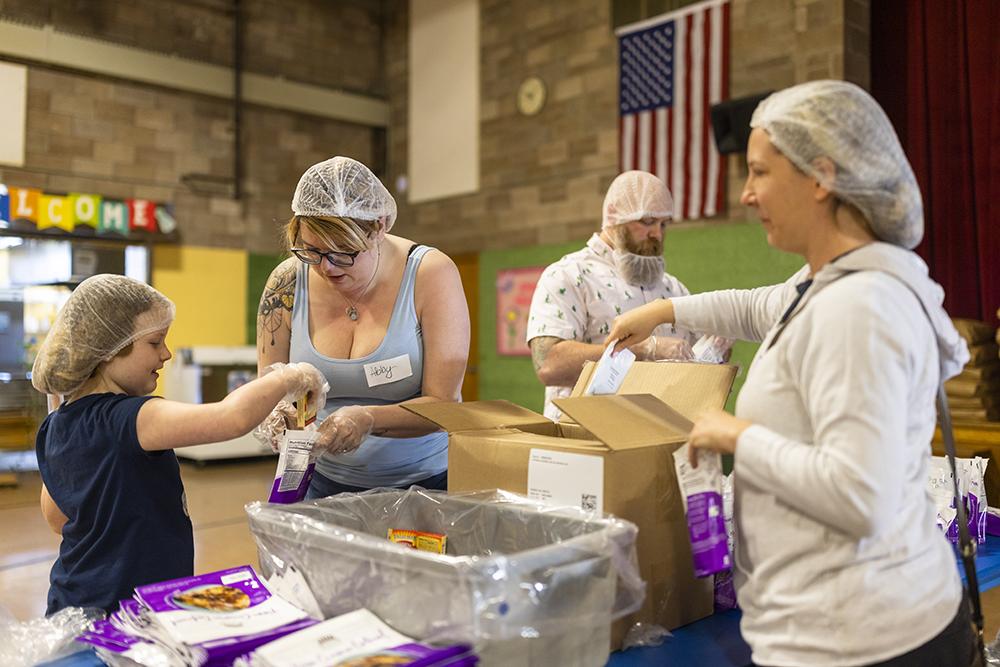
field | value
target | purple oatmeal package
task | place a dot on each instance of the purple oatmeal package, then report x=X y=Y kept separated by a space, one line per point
x=701 y=493
x=225 y=613
x=354 y=639
x=971 y=488
x=295 y=466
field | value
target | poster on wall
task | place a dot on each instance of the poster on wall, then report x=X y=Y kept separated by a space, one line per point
x=515 y=288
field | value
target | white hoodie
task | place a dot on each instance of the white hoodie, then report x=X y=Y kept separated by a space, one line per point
x=838 y=558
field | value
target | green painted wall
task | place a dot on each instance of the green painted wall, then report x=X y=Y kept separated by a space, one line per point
x=704 y=258
x=259 y=267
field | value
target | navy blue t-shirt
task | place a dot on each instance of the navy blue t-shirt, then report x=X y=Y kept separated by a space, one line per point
x=128 y=522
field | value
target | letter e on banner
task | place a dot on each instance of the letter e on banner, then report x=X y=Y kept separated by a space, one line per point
x=142 y=215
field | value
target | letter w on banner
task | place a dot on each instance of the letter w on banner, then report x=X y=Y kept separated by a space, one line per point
x=672 y=69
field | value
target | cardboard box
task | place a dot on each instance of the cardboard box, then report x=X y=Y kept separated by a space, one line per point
x=611 y=453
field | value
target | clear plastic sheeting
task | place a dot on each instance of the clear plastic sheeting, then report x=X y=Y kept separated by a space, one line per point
x=515 y=569
x=23 y=644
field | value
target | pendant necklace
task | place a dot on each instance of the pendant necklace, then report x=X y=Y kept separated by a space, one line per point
x=351 y=310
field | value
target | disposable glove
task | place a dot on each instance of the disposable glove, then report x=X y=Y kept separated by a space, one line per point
x=269 y=431
x=345 y=430
x=655 y=348
x=302 y=378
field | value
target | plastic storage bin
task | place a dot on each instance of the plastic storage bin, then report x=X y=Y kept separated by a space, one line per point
x=527 y=583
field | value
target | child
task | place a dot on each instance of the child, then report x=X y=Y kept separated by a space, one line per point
x=111 y=486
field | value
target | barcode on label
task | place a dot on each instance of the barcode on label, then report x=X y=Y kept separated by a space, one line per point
x=588 y=501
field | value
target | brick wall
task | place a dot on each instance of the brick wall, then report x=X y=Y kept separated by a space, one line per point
x=331 y=43
x=543 y=178
x=121 y=139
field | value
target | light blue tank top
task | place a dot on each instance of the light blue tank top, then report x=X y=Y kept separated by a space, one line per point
x=378 y=461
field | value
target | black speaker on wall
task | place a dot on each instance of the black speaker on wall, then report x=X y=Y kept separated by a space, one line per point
x=731 y=122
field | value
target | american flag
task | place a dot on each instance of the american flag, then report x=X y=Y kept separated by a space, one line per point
x=672 y=69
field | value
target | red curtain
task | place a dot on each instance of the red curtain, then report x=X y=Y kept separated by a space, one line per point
x=936 y=70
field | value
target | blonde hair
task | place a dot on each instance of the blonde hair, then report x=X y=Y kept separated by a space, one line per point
x=344 y=234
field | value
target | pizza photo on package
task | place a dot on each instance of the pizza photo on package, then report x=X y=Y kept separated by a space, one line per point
x=213 y=598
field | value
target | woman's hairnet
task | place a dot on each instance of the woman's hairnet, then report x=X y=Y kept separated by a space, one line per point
x=635 y=195
x=840 y=121
x=103 y=314
x=343 y=188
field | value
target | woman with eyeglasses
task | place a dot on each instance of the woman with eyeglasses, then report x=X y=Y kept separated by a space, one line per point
x=386 y=321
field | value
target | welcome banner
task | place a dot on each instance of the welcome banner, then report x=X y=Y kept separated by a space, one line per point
x=80 y=214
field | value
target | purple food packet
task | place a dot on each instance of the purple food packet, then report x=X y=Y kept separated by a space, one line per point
x=225 y=613
x=725 y=591
x=701 y=493
x=295 y=467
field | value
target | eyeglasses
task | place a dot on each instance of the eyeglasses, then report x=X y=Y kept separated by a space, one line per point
x=310 y=256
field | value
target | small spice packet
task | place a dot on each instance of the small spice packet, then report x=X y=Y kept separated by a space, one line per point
x=433 y=542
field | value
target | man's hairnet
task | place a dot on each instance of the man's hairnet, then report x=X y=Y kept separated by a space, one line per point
x=103 y=314
x=840 y=121
x=344 y=188
x=635 y=195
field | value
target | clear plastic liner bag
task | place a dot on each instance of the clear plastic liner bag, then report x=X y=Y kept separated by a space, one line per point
x=515 y=569
x=29 y=642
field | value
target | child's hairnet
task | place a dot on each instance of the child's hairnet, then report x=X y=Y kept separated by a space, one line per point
x=840 y=121
x=343 y=188
x=635 y=195
x=103 y=314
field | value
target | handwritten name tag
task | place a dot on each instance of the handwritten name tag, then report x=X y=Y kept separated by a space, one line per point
x=388 y=370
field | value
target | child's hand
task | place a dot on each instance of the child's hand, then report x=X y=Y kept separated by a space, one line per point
x=270 y=430
x=345 y=430
x=302 y=379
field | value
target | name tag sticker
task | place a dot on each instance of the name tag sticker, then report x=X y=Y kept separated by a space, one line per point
x=388 y=370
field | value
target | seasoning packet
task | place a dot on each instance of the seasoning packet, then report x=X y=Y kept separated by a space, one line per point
x=433 y=542
x=701 y=493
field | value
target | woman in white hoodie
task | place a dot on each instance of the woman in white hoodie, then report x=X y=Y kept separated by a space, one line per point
x=838 y=558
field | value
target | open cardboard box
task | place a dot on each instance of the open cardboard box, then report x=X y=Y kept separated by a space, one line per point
x=609 y=453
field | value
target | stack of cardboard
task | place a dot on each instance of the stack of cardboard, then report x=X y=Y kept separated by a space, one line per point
x=974 y=394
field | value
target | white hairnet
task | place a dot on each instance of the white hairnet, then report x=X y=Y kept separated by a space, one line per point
x=343 y=188
x=103 y=314
x=635 y=195
x=840 y=121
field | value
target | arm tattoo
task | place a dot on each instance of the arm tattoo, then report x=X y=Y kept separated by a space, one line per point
x=540 y=347
x=278 y=296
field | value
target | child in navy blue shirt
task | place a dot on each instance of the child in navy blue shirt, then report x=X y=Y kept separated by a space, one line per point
x=111 y=484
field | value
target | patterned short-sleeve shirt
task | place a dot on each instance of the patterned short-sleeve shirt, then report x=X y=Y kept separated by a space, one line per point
x=579 y=296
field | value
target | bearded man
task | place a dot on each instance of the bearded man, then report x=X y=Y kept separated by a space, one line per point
x=620 y=269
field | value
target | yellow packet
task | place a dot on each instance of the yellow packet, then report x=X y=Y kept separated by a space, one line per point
x=421 y=541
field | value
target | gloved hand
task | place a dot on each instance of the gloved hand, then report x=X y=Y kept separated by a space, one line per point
x=655 y=348
x=269 y=431
x=345 y=430
x=302 y=378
